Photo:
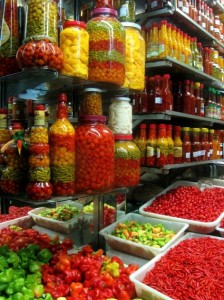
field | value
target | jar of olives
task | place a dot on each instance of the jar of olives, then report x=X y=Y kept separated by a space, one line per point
x=91 y=104
x=106 y=47
x=126 y=161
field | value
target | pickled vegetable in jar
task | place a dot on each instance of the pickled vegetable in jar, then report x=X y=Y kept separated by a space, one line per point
x=127 y=11
x=94 y=155
x=126 y=161
x=9 y=42
x=74 y=43
x=135 y=57
x=39 y=133
x=39 y=174
x=4 y=131
x=42 y=20
x=12 y=181
x=39 y=155
x=62 y=154
x=120 y=115
x=162 y=146
x=39 y=190
x=141 y=142
x=106 y=47
x=196 y=145
x=42 y=54
x=18 y=109
x=91 y=104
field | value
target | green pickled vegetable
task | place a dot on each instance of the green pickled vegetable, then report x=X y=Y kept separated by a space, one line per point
x=60 y=213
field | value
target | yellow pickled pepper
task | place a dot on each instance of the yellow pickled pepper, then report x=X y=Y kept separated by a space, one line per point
x=170 y=40
x=163 y=39
x=174 y=40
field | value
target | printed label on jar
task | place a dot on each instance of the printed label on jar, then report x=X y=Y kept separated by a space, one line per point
x=124 y=10
x=186 y=10
x=158 y=100
x=202 y=152
x=3 y=120
x=158 y=153
x=39 y=117
x=188 y=155
x=178 y=152
x=150 y=151
x=161 y=48
x=195 y=154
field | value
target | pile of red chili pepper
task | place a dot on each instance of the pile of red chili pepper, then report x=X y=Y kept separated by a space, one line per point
x=193 y=269
x=15 y=212
x=189 y=202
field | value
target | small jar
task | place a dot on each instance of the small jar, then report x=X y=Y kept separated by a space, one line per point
x=127 y=11
x=135 y=57
x=12 y=181
x=196 y=145
x=42 y=20
x=186 y=144
x=91 y=103
x=106 y=47
x=126 y=161
x=74 y=43
x=39 y=190
x=120 y=115
x=40 y=53
x=18 y=109
x=94 y=155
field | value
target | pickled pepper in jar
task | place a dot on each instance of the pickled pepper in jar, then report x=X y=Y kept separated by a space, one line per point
x=94 y=155
x=126 y=161
x=162 y=146
x=62 y=154
x=170 y=156
x=196 y=145
x=186 y=144
x=127 y=11
x=106 y=47
x=204 y=144
x=151 y=146
x=141 y=142
x=91 y=104
x=178 y=145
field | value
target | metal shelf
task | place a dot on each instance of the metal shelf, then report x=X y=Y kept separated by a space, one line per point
x=218 y=8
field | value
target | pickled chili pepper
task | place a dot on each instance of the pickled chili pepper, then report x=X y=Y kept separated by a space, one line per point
x=186 y=144
x=170 y=156
x=141 y=142
x=195 y=144
x=151 y=146
x=204 y=144
x=126 y=161
x=178 y=145
x=162 y=146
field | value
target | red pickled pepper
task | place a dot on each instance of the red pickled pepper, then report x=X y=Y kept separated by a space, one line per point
x=151 y=146
x=186 y=102
x=193 y=98
x=167 y=97
x=178 y=145
x=170 y=156
x=178 y=97
x=151 y=83
x=158 y=105
x=186 y=145
x=183 y=274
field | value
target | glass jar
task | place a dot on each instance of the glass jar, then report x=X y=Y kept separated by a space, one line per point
x=9 y=42
x=135 y=57
x=91 y=104
x=151 y=146
x=120 y=115
x=39 y=155
x=178 y=145
x=74 y=43
x=162 y=146
x=12 y=181
x=106 y=47
x=42 y=20
x=62 y=154
x=204 y=144
x=39 y=135
x=127 y=11
x=39 y=190
x=18 y=109
x=94 y=155
x=141 y=142
x=195 y=144
x=126 y=161
x=42 y=53
x=186 y=144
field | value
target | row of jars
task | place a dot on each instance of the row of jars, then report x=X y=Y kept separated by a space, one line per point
x=162 y=144
x=91 y=159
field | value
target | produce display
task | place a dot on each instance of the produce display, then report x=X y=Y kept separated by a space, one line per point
x=35 y=266
x=143 y=233
x=189 y=202
x=91 y=104
x=15 y=212
x=193 y=269
x=60 y=213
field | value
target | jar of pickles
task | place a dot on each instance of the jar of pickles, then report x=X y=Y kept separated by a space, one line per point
x=39 y=133
x=91 y=104
x=127 y=11
x=62 y=154
x=42 y=20
x=40 y=53
x=106 y=47
x=126 y=161
x=135 y=57
x=9 y=41
x=39 y=190
x=4 y=132
x=120 y=115
x=74 y=43
x=94 y=155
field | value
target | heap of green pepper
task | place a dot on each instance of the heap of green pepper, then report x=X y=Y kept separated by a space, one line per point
x=60 y=213
x=20 y=273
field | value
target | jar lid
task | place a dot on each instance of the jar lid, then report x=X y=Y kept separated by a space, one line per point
x=102 y=10
x=92 y=90
x=39 y=107
x=74 y=24
x=92 y=118
x=186 y=128
x=204 y=129
x=196 y=129
x=3 y=110
x=131 y=24
x=152 y=126
x=123 y=137
x=162 y=126
x=143 y=126
x=121 y=98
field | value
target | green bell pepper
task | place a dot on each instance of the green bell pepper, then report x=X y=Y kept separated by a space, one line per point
x=6 y=276
x=4 y=250
x=35 y=266
x=13 y=259
x=3 y=263
x=44 y=255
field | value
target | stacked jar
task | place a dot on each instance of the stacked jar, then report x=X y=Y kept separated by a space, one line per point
x=13 y=179
x=40 y=47
x=106 y=47
x=39 y=186
x=91 y=103
x=62 y=154
x=94 y=155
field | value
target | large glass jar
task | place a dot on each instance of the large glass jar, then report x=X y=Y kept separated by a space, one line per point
x=74 y=43
x=39 y=190
x=42 y=20
x=120 y=115
x=42 y=53
x=126 y=161
x=9 y=41
x=91 y=104
x=62 y=154
x=94 y=155
x=196 y=145
x=106 y=47
x=135 y=57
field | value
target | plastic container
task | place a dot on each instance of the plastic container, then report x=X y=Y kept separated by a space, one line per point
x=106 y=47
x=147 y=292
x=134 y=58
x=55 y=225
x=220 y=230
x=42 y=20
x=24 y=222
x=74 y=43
x=94 y=155
x=138 y=249
x=120 y=115
x=91 y=104
x=194 y=226
x=39 y=191
x=126 y=161
x=31 y=55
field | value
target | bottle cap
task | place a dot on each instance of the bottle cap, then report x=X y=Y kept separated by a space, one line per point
x=62 y=97
x=143 y=126
x=123 y=137
x=74 y=24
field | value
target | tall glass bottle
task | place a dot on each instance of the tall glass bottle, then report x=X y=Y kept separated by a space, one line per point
x=204 y=144
x=178 y=97
x=158 y=105
x=163 y=39
x=193 y=98
x=151 y=146
x=170 y=156
x=167 y=96
x=141 y=142
x=62 y=154
x=178 y=145
x=162 y=146
x=186 y=102
x=186 y=138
